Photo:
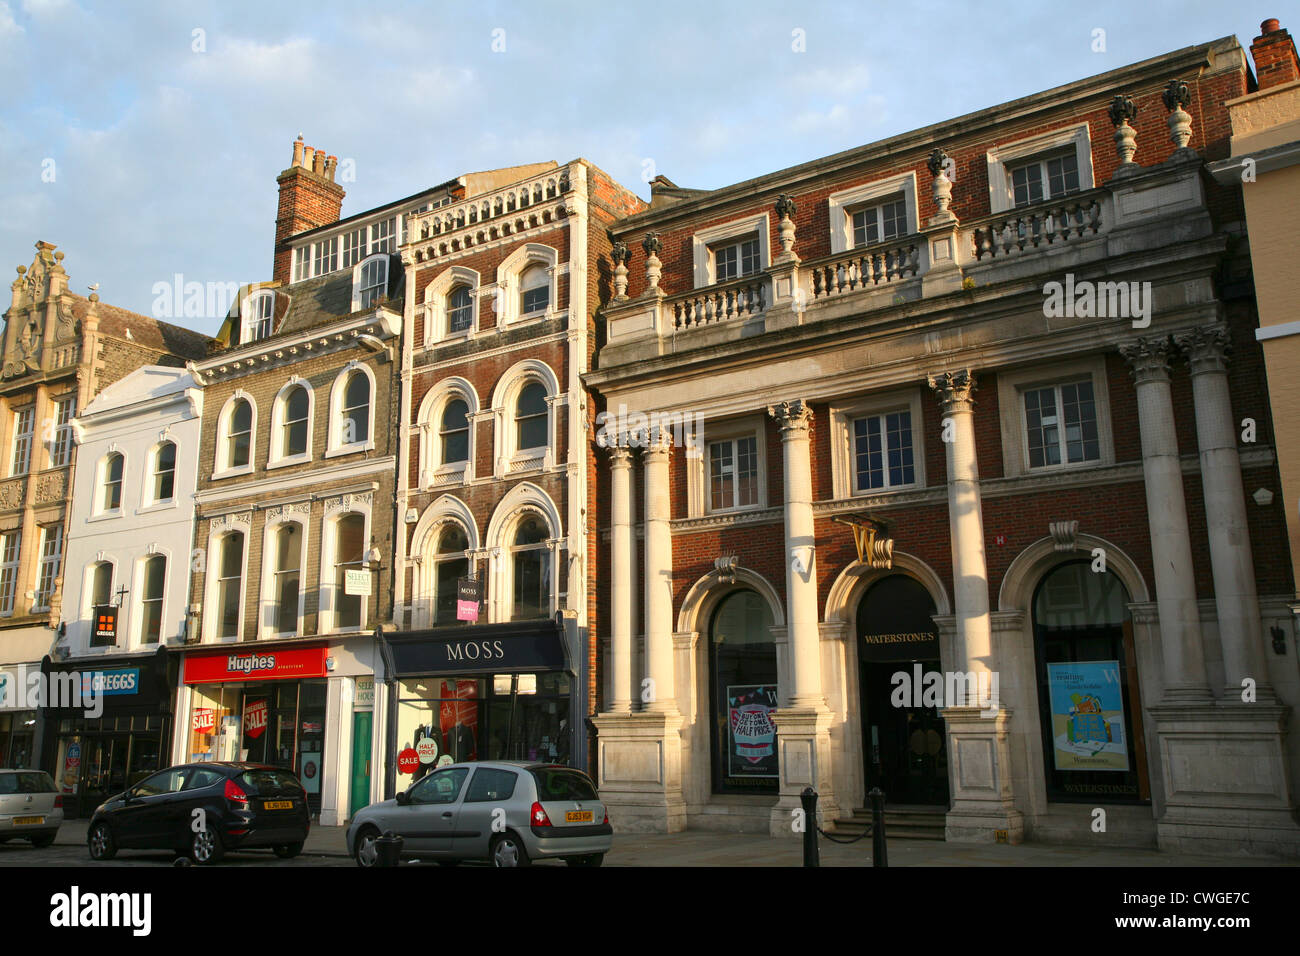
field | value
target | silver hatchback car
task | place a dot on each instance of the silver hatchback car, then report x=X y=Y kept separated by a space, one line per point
x=507 y=812
x=31 y=807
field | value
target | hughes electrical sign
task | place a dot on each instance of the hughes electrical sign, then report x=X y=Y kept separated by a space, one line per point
x=291 y=663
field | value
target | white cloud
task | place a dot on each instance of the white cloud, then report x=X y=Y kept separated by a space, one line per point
x=7 y=23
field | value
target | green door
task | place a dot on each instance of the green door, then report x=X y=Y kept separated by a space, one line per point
x=360 y=760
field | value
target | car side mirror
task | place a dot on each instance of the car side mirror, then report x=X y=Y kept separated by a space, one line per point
x=403 y=798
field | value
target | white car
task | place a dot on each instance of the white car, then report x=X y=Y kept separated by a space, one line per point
x=31 y=807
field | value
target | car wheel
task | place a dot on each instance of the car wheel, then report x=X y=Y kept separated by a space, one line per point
x=206 y=848
x=594 y=859
x=42 y=841
x=508 y=850
x=101 y=842
x=365 y=852
x=288 y=851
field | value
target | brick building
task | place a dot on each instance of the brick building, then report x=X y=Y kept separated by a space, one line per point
x=60 y=351
x=495 y=479
x=957 y=411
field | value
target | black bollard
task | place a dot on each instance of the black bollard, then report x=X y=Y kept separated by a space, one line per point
x=388 y=849
x=809 y=800
x=878 y=855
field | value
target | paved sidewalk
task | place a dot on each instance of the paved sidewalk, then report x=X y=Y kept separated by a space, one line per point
x=701 y=848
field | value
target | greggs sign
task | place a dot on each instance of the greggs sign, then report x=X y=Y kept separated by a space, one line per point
x=281 y=663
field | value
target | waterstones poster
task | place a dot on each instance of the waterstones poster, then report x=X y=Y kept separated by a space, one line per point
x=1087 y=716
x=753 y=735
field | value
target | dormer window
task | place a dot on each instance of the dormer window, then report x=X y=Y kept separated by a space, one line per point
x=370 y=279
x=258 y=309
x=534 y=290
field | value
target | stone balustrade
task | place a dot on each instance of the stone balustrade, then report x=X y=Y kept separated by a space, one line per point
x=737 y=299
x=1036 y=227
x=861 y=269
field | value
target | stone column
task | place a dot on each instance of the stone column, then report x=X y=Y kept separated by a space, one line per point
x=621 y=580
x=1182 y=649
x=658 y=576
x=795 y=421
x=983 y=799
x=1240 y=628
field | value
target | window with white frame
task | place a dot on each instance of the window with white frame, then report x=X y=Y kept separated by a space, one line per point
x=531 y=418
x=354 y=247
x=735 y=260
x=229 y=589
x=534 y=290
x=325 y=256
x=370 y=283
x=526 y=283
x=99 y=594
x=880 y=222
x=153 y=580
x=733 y=473
x=49 y=566
x=258 y=309
x=873 y=212
x=1041 y=167
x=349 y=555
x=1044 y=177
x=163 y=473
x=286 y=574
x=1061 y=425
x=460 y=310
x=110 y=483
x=236 y=439
x=383 y=234
x=450 y=564
x=21 y=457
x=65 y=409
x=301 y=263
x=293 y=425
x=530 y=564
x=453 y=432
x=730 y=250
x=9 y=548
x=352 y=427
x=882 y=451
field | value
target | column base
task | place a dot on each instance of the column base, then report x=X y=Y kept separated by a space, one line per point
x=803 y=742
x=979 y=776
x=639 y=771
x=1224 y=771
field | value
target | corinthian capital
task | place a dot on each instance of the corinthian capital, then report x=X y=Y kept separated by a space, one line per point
x=1148 y=358
x=793 y=418
x=1206 y=348
x=954 y=389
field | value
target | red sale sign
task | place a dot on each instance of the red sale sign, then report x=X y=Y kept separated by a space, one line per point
x=407 y=761
x=255 y=718
x=205 y=720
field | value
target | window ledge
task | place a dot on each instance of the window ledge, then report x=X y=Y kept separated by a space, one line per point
x=350 y=449
x=302 y=459
x=232 y=472
x=169 y=505
x=106 y=515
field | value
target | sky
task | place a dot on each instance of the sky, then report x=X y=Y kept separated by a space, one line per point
x=144 y=139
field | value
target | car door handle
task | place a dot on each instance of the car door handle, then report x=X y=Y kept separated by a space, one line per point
x=447 y=815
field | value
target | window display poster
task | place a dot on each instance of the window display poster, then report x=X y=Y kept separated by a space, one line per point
x=309 y=772
x=751 y=750
x=1087 y=716
x=458 y=719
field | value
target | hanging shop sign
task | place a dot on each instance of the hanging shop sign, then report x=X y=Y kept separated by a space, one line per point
x=468 y=596
x=285 y=663
x=105 y=625
x=365 y=699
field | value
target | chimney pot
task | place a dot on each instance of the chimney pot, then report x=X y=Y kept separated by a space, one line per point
x=308 y=155
x=297 y=152
x=1269 y=26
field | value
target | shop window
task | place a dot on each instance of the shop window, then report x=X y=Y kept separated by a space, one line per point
x=230 y=571
x=450 y=564
x=1088 y=693
x=164 y=472
x=743 y=694
x=153 y=583
x=530 y=558
x=349 y=555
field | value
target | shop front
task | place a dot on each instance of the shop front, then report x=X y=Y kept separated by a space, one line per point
x=487 y=692
x=96 y=752
x=264 y=706
x=18 y=719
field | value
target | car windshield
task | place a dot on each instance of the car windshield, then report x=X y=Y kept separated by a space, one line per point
x=558 y=783
x=33 y=782
x=269 y=782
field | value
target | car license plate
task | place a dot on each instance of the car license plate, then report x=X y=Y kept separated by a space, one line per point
x=28 y=821
x=577 y=816
x=278 y=805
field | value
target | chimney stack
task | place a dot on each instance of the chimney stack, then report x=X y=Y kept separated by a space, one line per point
x=309 y=198
x=1275 y=56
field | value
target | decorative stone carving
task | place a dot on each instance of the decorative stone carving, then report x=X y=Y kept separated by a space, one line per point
x=938 y=166
x=1063 y=535
x=620 y=255
x=1148 y=358
x=785 y=209
x=953 y=389
x=11 y=494
x=652 y=245
x=1206 y=348
x=1122 y=111
x=792 y=417
x=52 y=487
x=725 y=567
x=350 y=502
x=1177 y=97
x=297 y=508
x=233 y=519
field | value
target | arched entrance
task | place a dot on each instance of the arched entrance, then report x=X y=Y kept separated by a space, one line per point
x=904 y=748
x=742 y=694
x=1088 y=692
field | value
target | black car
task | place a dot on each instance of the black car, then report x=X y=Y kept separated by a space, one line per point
x=204 y=809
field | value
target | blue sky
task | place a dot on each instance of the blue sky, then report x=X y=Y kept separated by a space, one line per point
x=166 y=143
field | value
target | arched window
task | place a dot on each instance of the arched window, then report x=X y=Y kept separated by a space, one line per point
x=531 y=417
x=371 y=282
x=354 y=418
x=534 y=290
x=164 y=472
x=450 y=564
x=1088 y=697
x=460 y=310
x=286 y=572
x=530 y=561
x=743 y=694
x=101 y=583
x=258 y=309
x=349 y=555
x=230 y=576
x=152 y=585
x=294 y=423
x=238 y=449
x=453 y=433
x=110 y=496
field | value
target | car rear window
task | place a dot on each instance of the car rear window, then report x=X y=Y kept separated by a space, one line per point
x=35 y=781
x=266 y=783
x=559 y=783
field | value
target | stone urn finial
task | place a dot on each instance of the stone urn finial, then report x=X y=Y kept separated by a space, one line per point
x=620 y=255
x=785 y=209
x=1122 y=111
x=652 y=245
x=939 y=164
x=1177 y=97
